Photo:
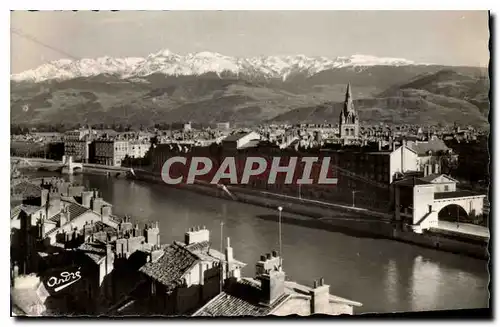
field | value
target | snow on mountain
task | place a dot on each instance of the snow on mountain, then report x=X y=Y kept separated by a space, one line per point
x=168 y=63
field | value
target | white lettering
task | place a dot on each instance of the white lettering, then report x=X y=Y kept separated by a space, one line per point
x=230 y=163
x=52 y=281
x=165 y=170
x=194 y=171
x=325 y=165
x=307 y=170
x=276 y=168
x=248 y=171
x=66 y=279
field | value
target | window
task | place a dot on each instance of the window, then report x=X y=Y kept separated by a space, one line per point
x=446 y=188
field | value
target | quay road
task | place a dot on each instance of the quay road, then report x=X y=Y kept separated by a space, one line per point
x=386 y=276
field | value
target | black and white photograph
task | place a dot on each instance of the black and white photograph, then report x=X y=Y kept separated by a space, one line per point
x=239 y=163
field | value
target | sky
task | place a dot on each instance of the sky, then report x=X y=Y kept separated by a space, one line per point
x=457 y=38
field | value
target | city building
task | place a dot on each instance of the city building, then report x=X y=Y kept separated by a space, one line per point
x=429 y=151
x=77 y=144
x=239 y=140
x=183 y=276
x=269 y=293
x=422 y=201
x=223 y=126
x=181 y=126
x=111 y=152
x=62 y=226
x=139 y=148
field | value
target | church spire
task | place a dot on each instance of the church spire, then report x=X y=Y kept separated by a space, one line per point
x=348 y=95
x=348 y=105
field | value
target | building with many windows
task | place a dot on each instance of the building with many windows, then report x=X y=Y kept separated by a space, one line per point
x=111 y=152
x=138 y=148
x=77 y=144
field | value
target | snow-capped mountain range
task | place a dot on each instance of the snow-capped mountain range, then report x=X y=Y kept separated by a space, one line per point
x=168 y=63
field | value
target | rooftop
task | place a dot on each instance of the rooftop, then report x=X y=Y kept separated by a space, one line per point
x=95 y=251
x=456 y=194
x=204 y=252
x=75 y=210
x=240 y=298
x=235 y=137
x=243 y=298
x=171 y=266
x=27 y=189
x=434 y=145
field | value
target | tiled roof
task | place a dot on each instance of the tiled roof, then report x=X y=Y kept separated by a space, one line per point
x=235 y=137
x=200 y=246
x=171 y=267
x=100 y=226
x=29 y=209
x=95 y=251
x=240 y=298
x=430 y=178
x=75 y=210
x=203 y=251
x=27 y=189
x=421 y=180
x=14 y=212
x=435 y=145
x=410 y=181
x=456 y=194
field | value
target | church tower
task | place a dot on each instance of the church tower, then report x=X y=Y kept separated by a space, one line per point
x=349 y=120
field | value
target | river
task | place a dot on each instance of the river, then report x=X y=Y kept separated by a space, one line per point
x=384 y=275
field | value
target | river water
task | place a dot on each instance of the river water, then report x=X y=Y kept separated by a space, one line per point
x=384 y=275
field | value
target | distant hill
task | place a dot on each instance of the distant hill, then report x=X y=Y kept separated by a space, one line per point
x=389 y=93
x=446 y=96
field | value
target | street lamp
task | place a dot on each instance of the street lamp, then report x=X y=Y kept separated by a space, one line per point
x=279 y=232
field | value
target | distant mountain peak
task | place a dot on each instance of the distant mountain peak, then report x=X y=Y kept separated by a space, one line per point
x=168 y=63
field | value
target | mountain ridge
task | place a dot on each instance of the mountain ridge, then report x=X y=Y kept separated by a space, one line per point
x=171 y=64
x=394 y=94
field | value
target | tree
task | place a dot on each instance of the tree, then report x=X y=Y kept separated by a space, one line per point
x=449 y=164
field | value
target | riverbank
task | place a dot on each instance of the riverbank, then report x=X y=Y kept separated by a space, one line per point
x=356 y=221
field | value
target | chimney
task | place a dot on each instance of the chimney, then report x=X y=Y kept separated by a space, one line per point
x=320 y=297
x=229 y=251
x=64 y=216
x=272 y=286
x=196 y=235
x=44 y=196
x=86 y=196
x=96 y=204
x=108 y=249
x=105 y=213
x=436 y=168
x=267 y=262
